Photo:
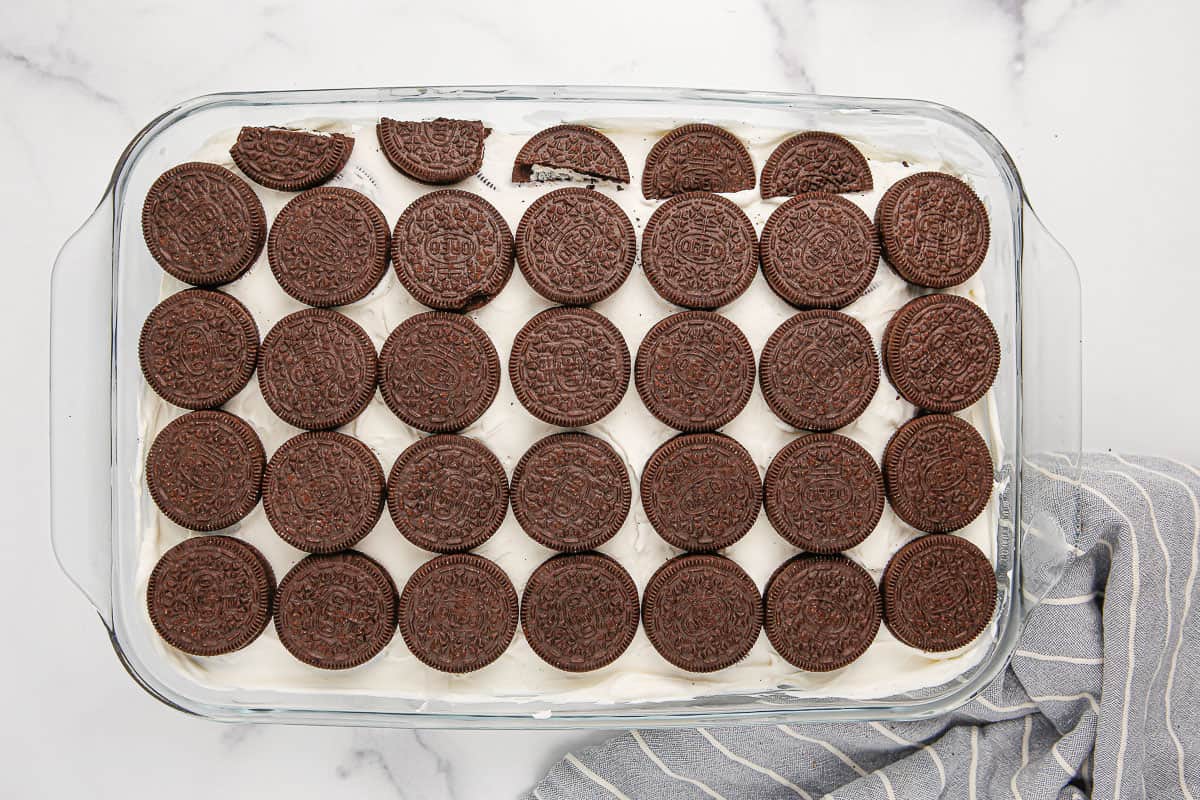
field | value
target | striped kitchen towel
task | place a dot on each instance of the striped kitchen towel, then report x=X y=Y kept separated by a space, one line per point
x=1101 y=699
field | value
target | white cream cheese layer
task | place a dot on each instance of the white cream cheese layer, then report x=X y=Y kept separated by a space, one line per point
x=888 y=667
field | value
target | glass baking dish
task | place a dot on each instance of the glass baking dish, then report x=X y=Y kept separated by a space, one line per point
x=101 y=294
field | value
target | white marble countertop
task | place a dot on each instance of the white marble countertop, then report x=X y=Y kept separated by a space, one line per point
x=1095 y=99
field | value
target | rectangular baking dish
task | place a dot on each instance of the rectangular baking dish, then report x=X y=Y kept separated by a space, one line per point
x=101 y=294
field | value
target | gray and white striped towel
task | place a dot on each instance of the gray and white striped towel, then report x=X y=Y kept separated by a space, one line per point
x=1101 y=699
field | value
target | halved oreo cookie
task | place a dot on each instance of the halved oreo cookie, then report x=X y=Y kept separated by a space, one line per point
x=571 y=492
x=935 y=229
x=579 y=612
x=336 y=611
x=695 y=371
x=447 y=493
x=701 y=491
x=438 y=371
x=203 y=224
x=577 y=148
x=702 y=612
x=819 y=251
x=328 y=246
x=198 y=348
x=819 y=370
x=941 y=352
x=697 y=157
x=569 y=366
x=316 y=369
x=210 y=595
x=699 y=250
x=824 y=493
x=452 y=250
x=815 y=161
x=458 y=613
x=205 y=470
x=575 y=246
x=437 y=152
x=289 y=160
x=323 y=491
x=939 y=593
x=822 y=612
x=938 y=473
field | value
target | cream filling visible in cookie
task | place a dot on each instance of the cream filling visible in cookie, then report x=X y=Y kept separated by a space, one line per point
x=888 y=667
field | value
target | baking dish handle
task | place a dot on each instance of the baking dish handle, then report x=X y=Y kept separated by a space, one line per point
x=1051 y=422
x=80 y=403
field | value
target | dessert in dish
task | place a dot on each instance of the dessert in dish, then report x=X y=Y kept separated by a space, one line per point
x=569 y=367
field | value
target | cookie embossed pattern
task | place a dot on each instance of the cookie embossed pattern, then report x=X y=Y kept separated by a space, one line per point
x=628 y=430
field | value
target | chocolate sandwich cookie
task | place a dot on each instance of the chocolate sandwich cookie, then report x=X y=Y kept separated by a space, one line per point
x=205 y=470
x=438 y=371
x=441 y=151
x=575 y=246
x=336 y=611
x=939 y=593
x=822 y=612
x=819 y=250
x=819 y=370
x=569 y=366
x=815 y=161
x=702 y=612
x=934 y=228
x=203 y=224
x=328 y=246
x=198 y=348
x=571 y=492
x=579 y=612
x=210 y=595
x=316 y=369
x=824 y=493
x=941 y=352
x=288 y=160
x=458 y=613
x=695 y=371
x=697 y=157
x=582 y=150
x=452 y=250
x=699 y=250
x=447 y=493
x=938 y=473
x=701 y=491
x=323 y=491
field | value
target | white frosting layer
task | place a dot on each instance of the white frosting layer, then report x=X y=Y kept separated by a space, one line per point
x=888 y=667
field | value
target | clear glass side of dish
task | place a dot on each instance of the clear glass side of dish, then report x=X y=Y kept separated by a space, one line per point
x=104 y=285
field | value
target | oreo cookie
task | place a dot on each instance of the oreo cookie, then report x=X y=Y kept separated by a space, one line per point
x=328 y=246
x=316 y=369
x=701 y=491
x=579 y=612
x=938 y=473
x=447 y=493
x=702 y=613
x=438 y=152
x=939 y=593
x=935 y=229
x=210 y=595
x=288 y=160
x=198 y=348
x=695 y=371
x=438 y=371
x=571 y=492
x=941 y=352
x=458 y=613
x=699 y=250
x=815 y=161
x=819 y=370
x=697 y=157
x=575 y=246
x=577 y=148
x=203 y=224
